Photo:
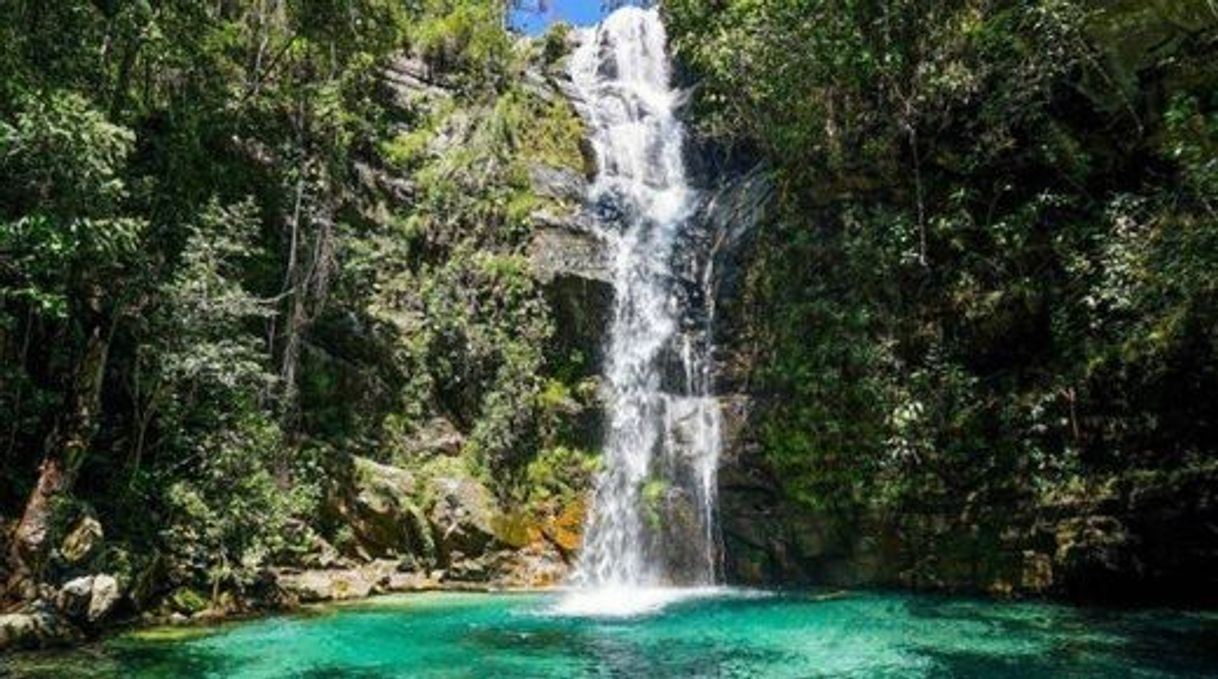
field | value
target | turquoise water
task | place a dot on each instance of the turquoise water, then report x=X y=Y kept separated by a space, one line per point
x=728 y=635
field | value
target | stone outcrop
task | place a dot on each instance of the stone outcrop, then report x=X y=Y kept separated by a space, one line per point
x=571 y=260
x=426 y=530
x=378 y=503
x=538 y=564
x=38 y=625
x=408 y=78
x=310 y=586
x=462 y=515
x=436 y=437
x=560 y=183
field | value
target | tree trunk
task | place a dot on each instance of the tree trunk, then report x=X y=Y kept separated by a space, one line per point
x=66 y=447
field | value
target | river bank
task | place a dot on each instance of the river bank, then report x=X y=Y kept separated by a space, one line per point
x=39 y=626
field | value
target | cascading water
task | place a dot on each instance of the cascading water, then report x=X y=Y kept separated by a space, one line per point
x=652 y=525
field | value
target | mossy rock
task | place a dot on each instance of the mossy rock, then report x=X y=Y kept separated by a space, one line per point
x=516 y=529
x=566 y=531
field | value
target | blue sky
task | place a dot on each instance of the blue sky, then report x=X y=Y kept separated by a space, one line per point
x=577 y=12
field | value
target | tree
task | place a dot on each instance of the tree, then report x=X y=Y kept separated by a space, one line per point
x=67 y=242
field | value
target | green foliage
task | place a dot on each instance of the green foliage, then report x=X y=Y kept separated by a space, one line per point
x=230 y=516
x=652 y=495
x=984 y=287
x=200 y=261
x=560 y=473
x=465 y=37
x=62 y=201
x=471 y=322
x=555 y=43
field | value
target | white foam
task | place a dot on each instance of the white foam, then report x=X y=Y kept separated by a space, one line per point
x=622 y=601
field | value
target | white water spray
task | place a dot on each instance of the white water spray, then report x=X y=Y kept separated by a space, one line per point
x=652 y=525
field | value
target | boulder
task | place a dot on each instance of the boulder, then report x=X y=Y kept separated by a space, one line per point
x=538 y=565
x=472 y=569
x=83 y=541
x=89 y=599
x=569 y=247
x=106 y=595
x=462 y=515
x=74 y=597
x=411 y=582
x=437 y=436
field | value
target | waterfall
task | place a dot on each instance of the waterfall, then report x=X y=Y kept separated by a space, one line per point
x=652 y=523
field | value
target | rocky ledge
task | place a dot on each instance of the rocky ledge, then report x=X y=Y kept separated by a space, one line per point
x=401 y=531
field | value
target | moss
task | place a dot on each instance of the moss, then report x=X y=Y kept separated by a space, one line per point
x=187 y=601
x=170 y=633
x=554 y=396
x=554 y=135
x=566 y=530
x=652 y=494
x=515 y=529
x=407 y=150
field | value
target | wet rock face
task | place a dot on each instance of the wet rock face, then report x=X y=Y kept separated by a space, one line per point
x=560 y=183
x=736 y=211
x=572 y=264
x=673 y=520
